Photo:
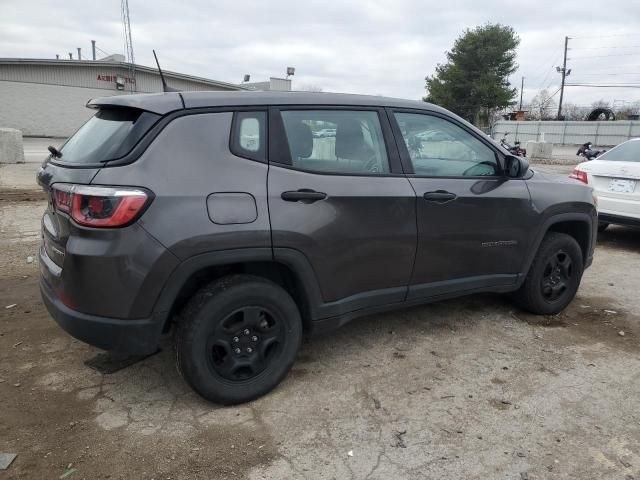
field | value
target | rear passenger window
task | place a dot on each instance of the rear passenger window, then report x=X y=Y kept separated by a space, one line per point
x=248 y=135
x=336 y=141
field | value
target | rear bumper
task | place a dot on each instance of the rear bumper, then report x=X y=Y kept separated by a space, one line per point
x=619 y=207
x=618 y=219
x=126 y=336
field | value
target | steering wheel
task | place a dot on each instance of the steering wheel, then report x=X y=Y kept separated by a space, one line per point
x=482 y=174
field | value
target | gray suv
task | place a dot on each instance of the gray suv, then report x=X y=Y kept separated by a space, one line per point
x=230 y=220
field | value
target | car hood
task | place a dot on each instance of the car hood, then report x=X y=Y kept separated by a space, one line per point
x=608 y=168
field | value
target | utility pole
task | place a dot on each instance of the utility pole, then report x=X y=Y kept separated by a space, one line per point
x=564 y=75
x=521 y=89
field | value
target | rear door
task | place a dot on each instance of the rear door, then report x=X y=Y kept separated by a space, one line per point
x=472 y=219
x=338 y=196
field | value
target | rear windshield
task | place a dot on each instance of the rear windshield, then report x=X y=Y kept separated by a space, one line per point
x=625 y=152
x=109 y=134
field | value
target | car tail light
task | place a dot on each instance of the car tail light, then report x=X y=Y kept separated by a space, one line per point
x=579 y=175
x=100 y=206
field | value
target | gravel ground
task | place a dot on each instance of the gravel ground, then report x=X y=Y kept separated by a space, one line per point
x=469 y=388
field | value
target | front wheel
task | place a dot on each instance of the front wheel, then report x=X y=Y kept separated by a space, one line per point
x=554 y=276
x=237 y=338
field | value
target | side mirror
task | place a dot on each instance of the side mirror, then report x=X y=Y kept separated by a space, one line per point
x=516 y=167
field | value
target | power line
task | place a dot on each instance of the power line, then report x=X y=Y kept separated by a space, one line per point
x=602 y=48
x=608 y=36
x=610 y=74
x=604 y=56
x=593 y=85
x=550 y=69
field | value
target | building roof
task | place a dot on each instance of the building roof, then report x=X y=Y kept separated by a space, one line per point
x=166 y=102
x=110 y=64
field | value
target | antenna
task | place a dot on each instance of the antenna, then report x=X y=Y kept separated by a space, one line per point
x=128 y=43
x=165 y=87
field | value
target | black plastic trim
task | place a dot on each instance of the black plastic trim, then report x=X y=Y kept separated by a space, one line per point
x=136 y=336
x=560 y=218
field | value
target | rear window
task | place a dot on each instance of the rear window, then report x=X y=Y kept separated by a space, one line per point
x=628 y=151
x=109 y=134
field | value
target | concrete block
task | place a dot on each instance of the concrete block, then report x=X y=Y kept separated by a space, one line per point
x=11 y=148
x=539 y=149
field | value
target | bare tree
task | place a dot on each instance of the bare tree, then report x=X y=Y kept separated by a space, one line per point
x=601 y=104
x=571 y=111
x=542 y=106
x=627 y=111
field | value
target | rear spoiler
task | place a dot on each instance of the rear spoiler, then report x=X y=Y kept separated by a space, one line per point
x=160 y=103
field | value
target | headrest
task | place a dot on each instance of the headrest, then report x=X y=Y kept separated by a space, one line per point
x=300 y=140
x=349 y=139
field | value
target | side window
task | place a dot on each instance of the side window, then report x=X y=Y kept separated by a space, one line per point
x=439 y=148
x=336 y=141
x=248 y=135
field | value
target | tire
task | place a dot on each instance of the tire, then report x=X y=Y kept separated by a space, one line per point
x=237 y=338
x=602 y=226
x=547 y=291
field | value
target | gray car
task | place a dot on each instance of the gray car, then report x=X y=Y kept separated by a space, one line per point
x=219 y=216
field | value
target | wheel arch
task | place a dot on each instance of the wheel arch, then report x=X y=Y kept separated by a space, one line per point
x=291 y=271
x=580 y=226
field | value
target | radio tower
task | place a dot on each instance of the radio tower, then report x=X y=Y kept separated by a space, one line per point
x=128 y=44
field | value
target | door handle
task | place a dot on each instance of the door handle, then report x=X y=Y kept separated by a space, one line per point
x=303 y=195
x=440 y=196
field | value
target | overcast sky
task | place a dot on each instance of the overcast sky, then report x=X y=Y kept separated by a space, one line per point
x=339 y=45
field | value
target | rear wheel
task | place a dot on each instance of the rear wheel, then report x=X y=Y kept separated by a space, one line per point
x=554 y=276
x=237 y=338
x=602 y=226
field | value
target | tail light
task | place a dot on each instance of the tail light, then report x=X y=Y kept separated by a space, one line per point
x=100 y=206
x=579 y=175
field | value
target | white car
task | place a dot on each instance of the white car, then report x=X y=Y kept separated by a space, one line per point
x=615 y=178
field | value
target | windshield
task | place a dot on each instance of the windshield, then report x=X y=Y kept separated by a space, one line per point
x=108 y=135
x=628 y=151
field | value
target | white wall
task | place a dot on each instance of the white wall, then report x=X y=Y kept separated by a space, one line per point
x=568 y=133
x=46 y=110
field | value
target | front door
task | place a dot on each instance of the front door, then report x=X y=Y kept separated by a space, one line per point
x=338 y=196
x=472 y=219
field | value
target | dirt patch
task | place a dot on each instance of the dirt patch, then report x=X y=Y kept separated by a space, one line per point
x=56 y=412
x=31 y=195
x=592 y=320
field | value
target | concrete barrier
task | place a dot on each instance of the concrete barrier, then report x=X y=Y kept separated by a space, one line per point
x=539 y=150
x=11 y=148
